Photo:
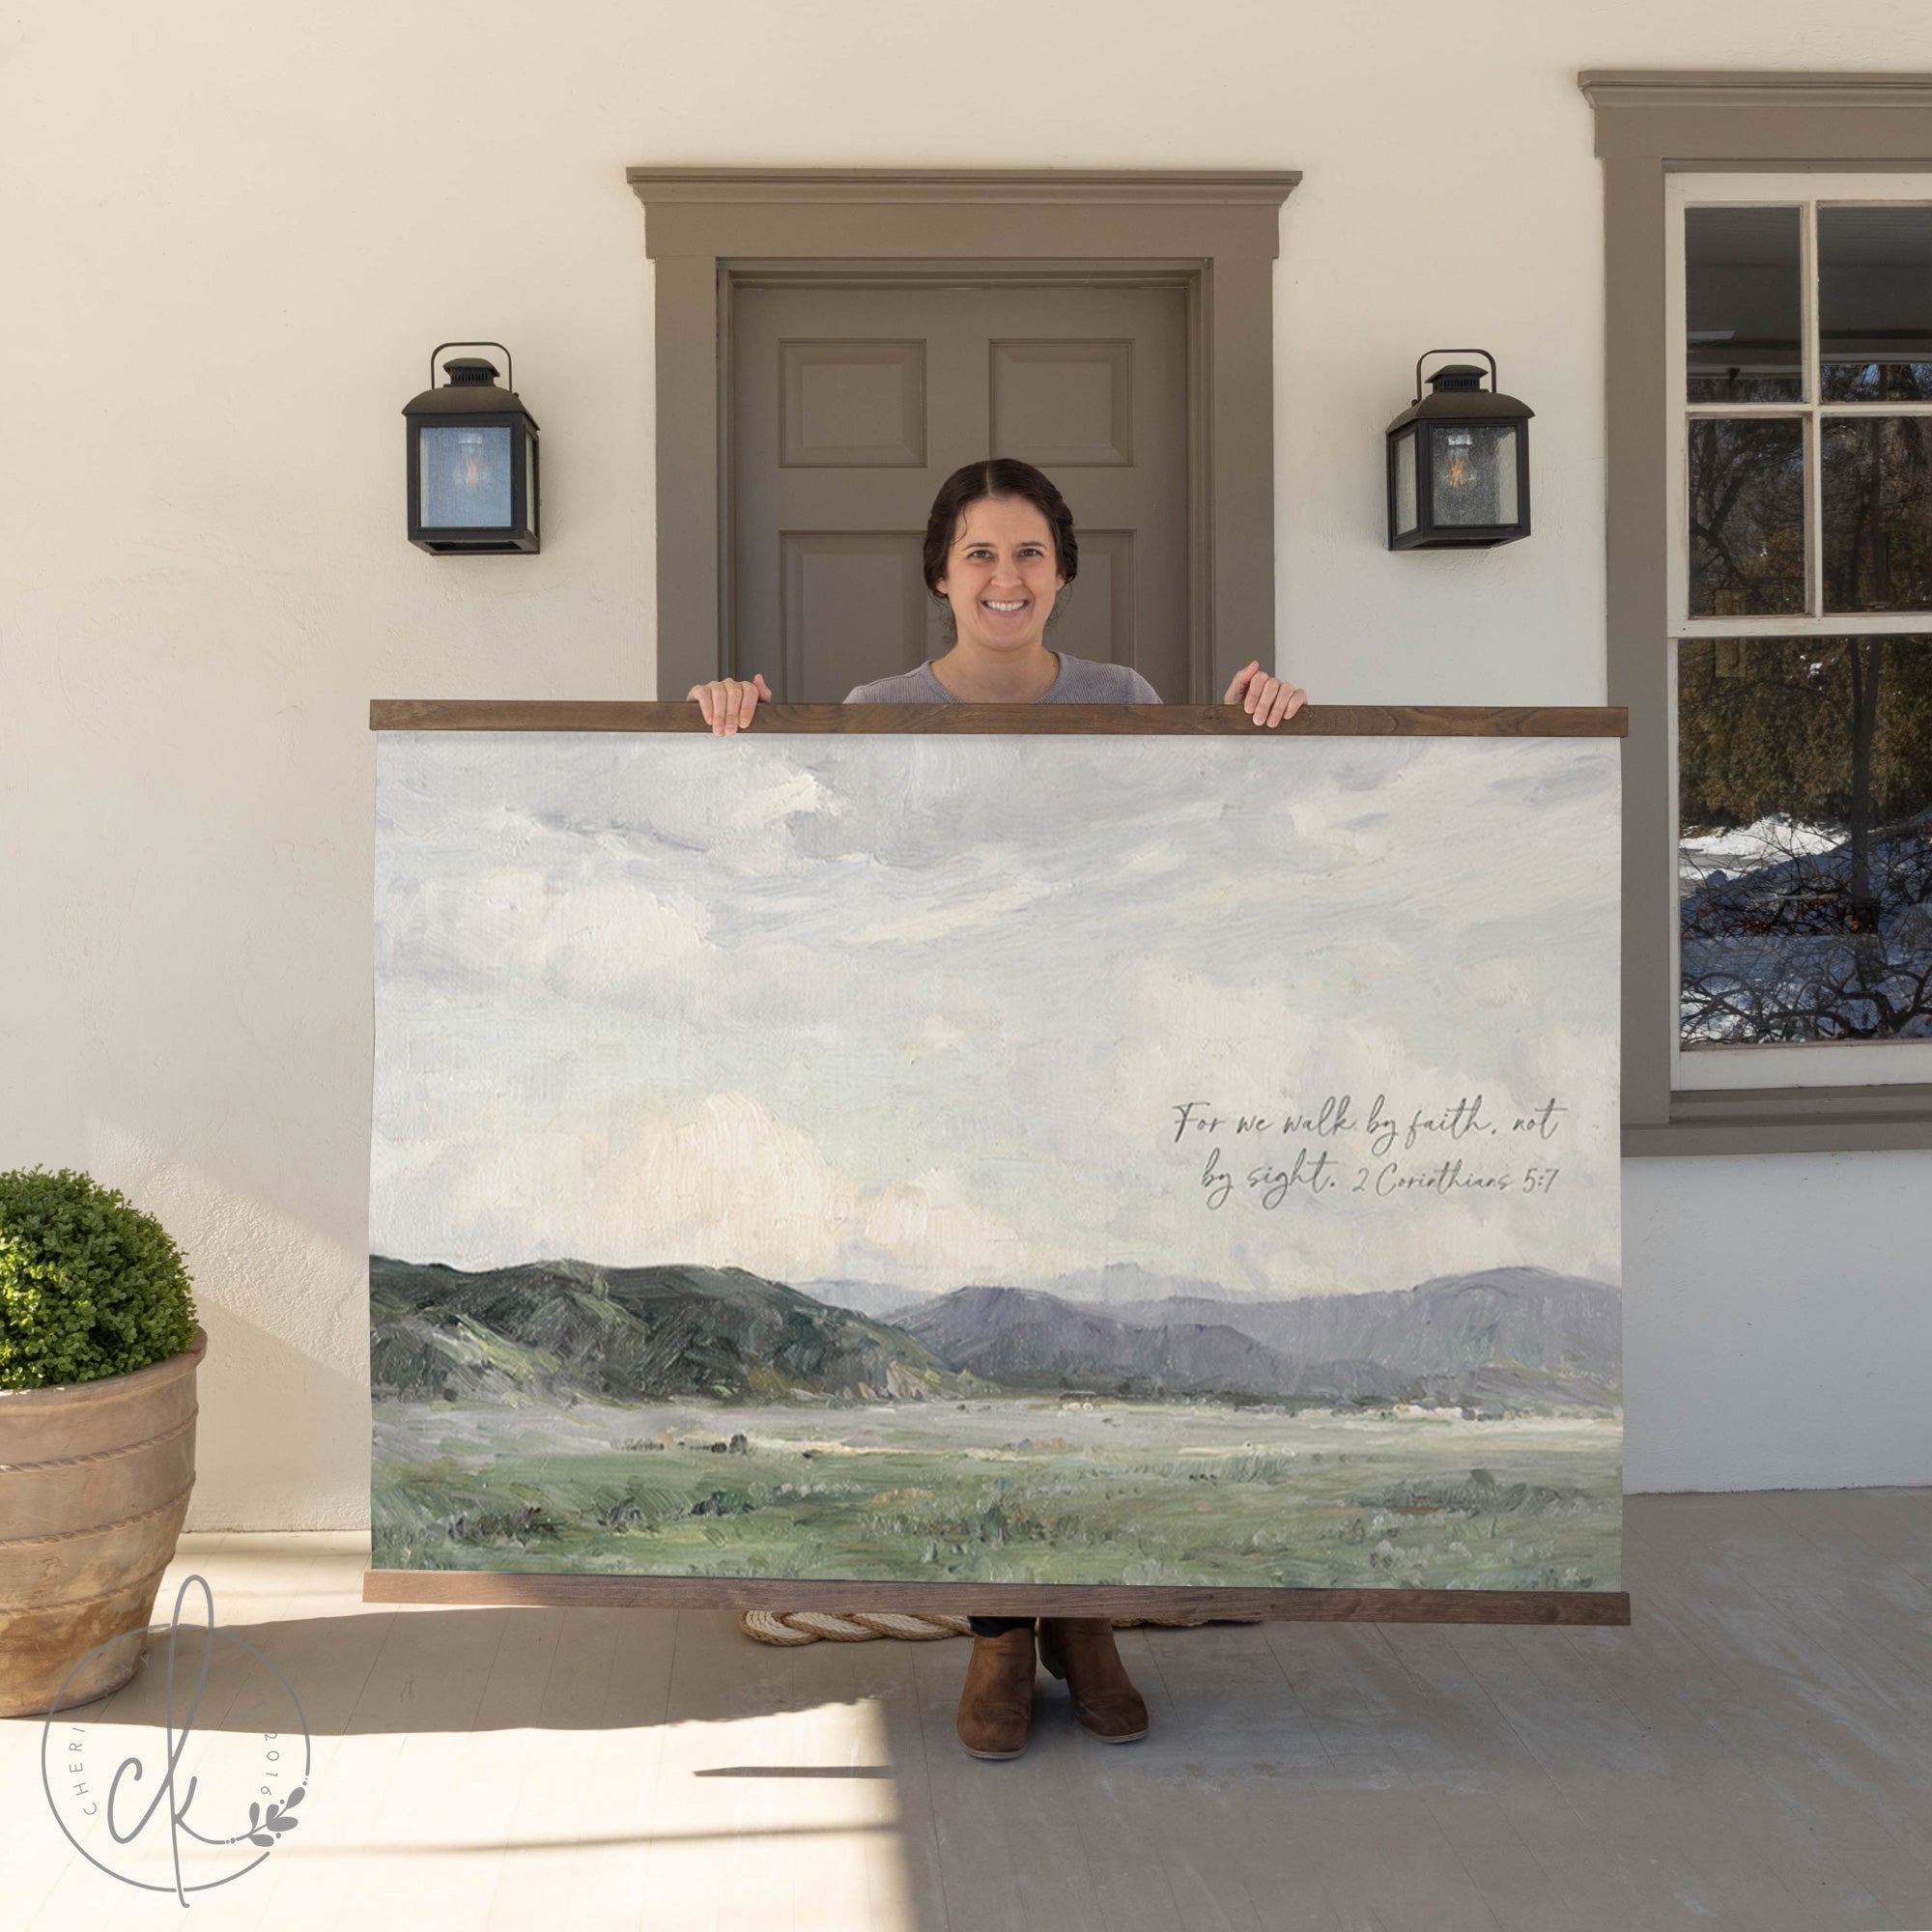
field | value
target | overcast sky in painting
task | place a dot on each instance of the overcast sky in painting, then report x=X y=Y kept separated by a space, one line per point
x=922 y=1008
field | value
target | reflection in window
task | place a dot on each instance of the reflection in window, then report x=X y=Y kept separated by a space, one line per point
x=1877 y=482
x=1875 y=304
x=1804 y=854
x=1740 y=302
x=1747 y=515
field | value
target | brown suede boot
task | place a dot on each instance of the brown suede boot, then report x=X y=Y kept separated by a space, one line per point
x=1082 y=1650
x=996 y=1704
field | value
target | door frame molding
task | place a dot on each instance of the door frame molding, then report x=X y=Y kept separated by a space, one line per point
x=1216 y=234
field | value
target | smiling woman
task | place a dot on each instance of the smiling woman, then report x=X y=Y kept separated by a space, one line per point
x=1000 y=550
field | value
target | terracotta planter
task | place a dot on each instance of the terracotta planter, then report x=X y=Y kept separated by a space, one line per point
x=94 y=1489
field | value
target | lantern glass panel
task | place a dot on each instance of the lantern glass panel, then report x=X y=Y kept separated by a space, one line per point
x=1404 y=483
x=1473 y=474
x=465 y=476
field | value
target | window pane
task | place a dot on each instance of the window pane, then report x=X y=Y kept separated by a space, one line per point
x=1747 y=515
x=1804 y=854
x=1740 y=304
x=1875 y=304
x=1877 y=487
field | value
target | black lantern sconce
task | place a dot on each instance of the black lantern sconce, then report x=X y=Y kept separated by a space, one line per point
x=473 y=461
x=1458 y=461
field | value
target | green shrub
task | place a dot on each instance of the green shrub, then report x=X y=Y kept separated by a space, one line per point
x=89 y=1284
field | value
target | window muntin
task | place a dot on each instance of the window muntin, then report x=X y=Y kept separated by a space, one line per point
x=1801 y=592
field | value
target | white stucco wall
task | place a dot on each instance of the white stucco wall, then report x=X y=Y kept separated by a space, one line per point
x=229 y=237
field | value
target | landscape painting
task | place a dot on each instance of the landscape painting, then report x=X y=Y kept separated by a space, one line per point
x=939 y=1157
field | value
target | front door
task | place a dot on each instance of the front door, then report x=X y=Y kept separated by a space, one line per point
x=850 y=407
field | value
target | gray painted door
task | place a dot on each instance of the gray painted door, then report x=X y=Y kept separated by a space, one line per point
x=851 y=406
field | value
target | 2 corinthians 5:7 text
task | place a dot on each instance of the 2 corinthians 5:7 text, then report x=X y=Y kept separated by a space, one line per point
x=1382 y=1153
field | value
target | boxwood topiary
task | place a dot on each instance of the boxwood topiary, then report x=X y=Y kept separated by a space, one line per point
x=89 y=1284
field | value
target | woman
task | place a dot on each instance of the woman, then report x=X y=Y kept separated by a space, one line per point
x=1000 y=548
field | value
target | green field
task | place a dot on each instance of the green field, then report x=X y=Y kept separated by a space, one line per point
x=1007 y=1491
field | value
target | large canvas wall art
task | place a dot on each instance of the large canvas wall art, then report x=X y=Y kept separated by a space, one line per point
x=1185 y=1161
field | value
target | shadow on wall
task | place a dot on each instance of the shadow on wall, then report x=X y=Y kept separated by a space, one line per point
x=282 y=1440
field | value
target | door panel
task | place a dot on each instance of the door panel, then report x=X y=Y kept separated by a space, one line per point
x=1069 y=404
x=840 y=587
x=850 y=407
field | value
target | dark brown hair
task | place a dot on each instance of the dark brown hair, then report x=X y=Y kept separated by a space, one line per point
x=997 y=476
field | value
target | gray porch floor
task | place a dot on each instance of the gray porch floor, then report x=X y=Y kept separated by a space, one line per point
x=1755 y=1750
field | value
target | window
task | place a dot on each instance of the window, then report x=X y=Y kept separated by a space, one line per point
x=1800 y=591
x=1753 y=142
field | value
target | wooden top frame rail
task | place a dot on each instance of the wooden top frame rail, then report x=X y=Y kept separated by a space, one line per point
x=1314 y=720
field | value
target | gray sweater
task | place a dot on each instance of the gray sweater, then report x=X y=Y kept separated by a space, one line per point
x=1081 y=681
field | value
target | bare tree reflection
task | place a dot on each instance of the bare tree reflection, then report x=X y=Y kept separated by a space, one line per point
x=1823 y=748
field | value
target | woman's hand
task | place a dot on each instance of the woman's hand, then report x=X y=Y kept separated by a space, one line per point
x=728 y=703
x=1266 y=699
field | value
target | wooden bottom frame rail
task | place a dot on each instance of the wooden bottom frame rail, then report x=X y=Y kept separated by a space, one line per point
x=537 y=1590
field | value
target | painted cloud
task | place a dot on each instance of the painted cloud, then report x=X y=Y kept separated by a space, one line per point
x=922 y=1008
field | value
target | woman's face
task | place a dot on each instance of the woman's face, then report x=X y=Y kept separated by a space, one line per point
x=1001 y=578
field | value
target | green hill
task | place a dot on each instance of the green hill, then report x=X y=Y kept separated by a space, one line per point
x=549 y=1331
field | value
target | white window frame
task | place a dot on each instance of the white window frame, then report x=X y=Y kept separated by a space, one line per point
x=1810 y=1063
